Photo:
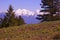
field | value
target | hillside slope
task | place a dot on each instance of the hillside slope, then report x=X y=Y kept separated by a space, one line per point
x=42 y=31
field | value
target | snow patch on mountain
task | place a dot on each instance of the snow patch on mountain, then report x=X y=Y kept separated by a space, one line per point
x=26 y=12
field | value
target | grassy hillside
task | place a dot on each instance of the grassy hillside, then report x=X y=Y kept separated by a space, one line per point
x=42 y=31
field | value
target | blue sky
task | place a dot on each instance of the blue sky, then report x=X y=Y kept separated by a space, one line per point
x=20 y=4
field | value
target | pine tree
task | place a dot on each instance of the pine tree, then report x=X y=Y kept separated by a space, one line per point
x=20 y=20
x=10 y=19
x=51 y=6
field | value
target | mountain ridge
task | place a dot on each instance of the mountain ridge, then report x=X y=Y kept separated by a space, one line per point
x=27 y=18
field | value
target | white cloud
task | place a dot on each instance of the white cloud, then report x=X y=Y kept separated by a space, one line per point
x=29 y=12
x=41 y=13
x=24 y=12
x=38 y=11
x=18 y=12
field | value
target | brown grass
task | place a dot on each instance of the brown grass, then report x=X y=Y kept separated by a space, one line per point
x=42 y=31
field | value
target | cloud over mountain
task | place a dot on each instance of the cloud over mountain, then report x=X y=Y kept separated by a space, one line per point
x=26 y=12
x=28 y=15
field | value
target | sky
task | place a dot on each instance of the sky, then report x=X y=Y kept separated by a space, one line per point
x=23 y=7
x=20 y=4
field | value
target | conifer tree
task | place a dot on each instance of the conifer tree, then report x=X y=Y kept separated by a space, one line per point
x=10 y=19
x=51 y=6
x=20 y=20
x=7 y=21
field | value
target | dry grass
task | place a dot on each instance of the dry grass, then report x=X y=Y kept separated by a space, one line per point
x=42 y=31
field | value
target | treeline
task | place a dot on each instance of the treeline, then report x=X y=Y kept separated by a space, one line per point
x=10 y=19
x=53 y=9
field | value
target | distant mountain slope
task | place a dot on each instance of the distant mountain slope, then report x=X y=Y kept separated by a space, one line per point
x=28 y=15
x=2 y=14
x=42 y=31
x=29 y=19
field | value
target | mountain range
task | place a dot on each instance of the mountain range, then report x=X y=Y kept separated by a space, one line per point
x=28 y=16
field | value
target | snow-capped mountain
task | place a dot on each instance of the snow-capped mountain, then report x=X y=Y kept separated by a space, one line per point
x=28 y=16
x=26 y=12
